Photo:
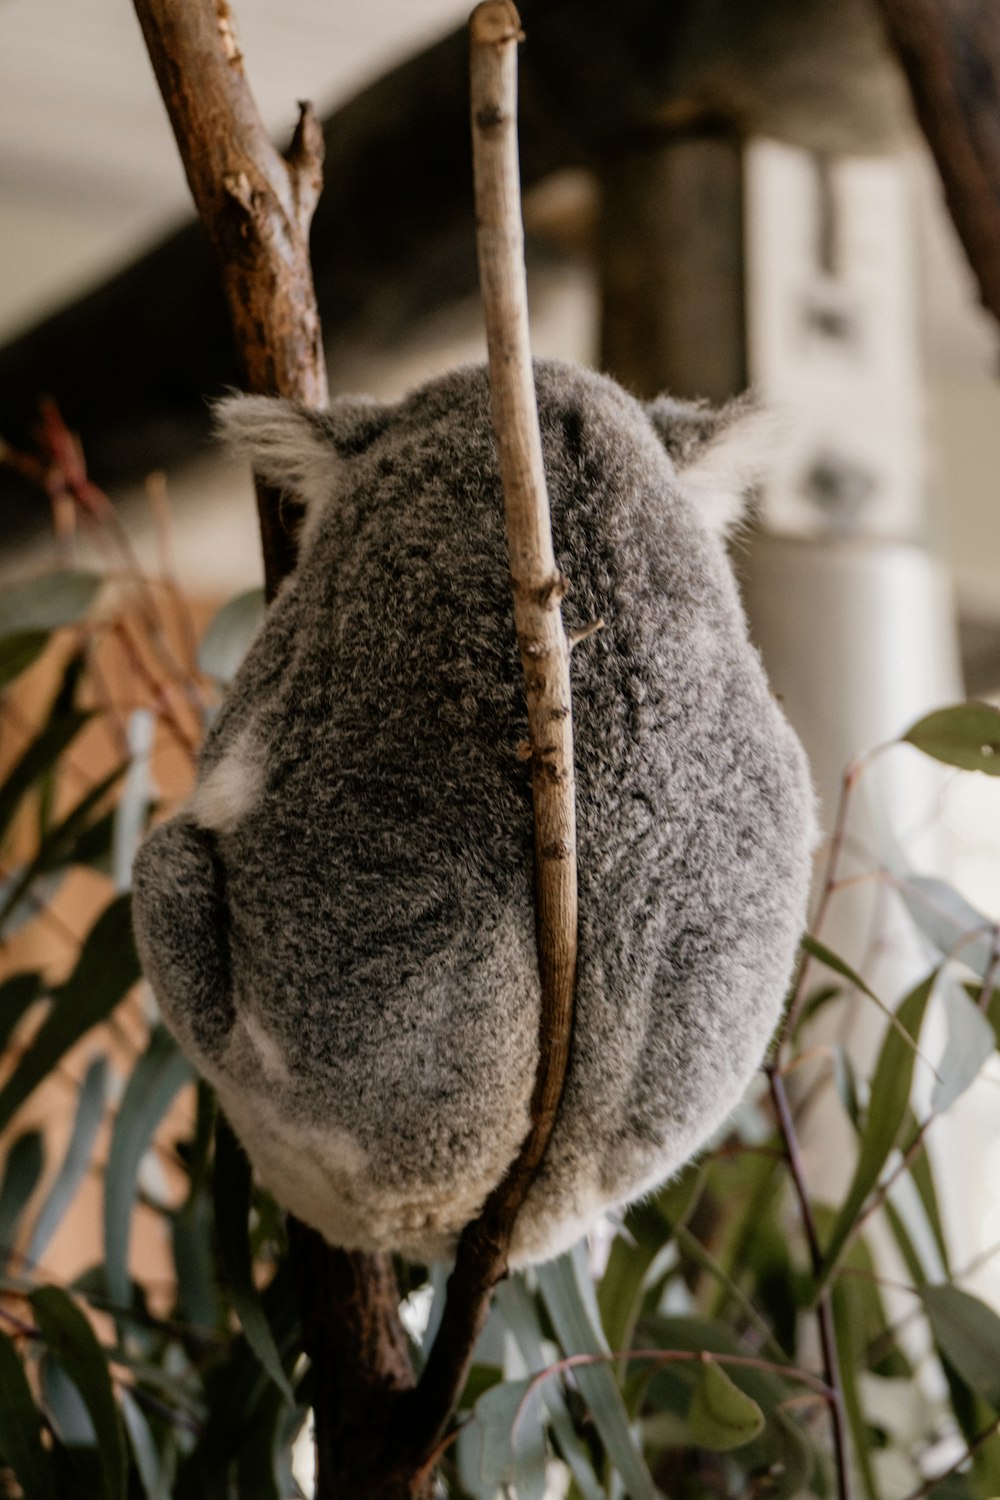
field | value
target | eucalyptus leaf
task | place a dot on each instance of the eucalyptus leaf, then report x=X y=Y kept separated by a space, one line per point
x=56 y=848
x=72 y=1343
x=105 y=971
x=945 y=917
x=47 y=601
x=887 y=1111
x=17 y=995
x=568 y=1295
x=512 y=1439
x=37 y=759
x=228 y=637
x=967 y=735
x=86 y=1123
x=232 y=1213
x=21 y=1175
x=517 y=1308
x=722 y=1416
x=969 y=1047
x=144 y=1450
x=20 y=1428
x=967 y=1332
x=18 y=651
x=152 y=1086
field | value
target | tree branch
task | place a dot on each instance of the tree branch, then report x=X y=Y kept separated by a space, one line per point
x=538 y=585
x=256 y=207
x=950 y=52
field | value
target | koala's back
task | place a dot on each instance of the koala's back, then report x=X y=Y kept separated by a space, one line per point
x=377 y=849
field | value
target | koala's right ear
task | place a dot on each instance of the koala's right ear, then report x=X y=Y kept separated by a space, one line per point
x=292 y=448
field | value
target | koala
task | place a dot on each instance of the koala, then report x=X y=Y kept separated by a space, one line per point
x=339 y=923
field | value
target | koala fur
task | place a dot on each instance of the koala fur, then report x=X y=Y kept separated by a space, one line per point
x=339 y=924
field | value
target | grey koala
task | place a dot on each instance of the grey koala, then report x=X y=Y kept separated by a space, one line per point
x=339 y=923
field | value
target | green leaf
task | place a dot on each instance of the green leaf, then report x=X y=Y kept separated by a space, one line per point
x=155 y=1080
x=945 y=917
x=17 y=995
x=21 y=1429
x=23 y=1169
x=969 y=1046
x=890 y=1096
x=568 y=1295
x=37 y=759
x=89 y=1114
x=56 y=848
x=232 y=1214
x=17 y=652
x=721 y=1415
x=833 y=961
x=967 y=1333
x=71 y=1341
x=517 y=1308
x=513 y=1439
x=48 y=601
x=228 y=637
x=967 y=736
x=147 y=1459
x=105 y=971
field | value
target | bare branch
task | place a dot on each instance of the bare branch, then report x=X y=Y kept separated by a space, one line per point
x=256 y=209
x=538 y=589
x=950 y=51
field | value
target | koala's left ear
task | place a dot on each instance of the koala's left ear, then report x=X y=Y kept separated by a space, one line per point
x=720 y=453
x=297 y=450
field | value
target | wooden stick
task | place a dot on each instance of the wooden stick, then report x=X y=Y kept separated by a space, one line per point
x=538 y=586
x=256 y=207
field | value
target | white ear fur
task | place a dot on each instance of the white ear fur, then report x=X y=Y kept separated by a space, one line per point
x=285 y=444
x=722 y=471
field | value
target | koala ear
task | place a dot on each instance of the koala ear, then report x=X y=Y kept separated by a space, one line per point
x=720 y=453
x=297 y=450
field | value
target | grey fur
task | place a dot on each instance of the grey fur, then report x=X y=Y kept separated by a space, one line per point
x=339 y=926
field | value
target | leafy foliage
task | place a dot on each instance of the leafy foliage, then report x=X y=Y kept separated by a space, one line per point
x=678 y=1356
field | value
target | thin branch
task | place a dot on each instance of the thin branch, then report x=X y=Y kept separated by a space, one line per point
x=495 y=30
x=824 y=1309
x=950 y=52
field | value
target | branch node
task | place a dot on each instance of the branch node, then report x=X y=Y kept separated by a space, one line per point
x=584 y=632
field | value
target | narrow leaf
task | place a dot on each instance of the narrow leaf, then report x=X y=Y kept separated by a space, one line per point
x=18 y=651
x=89 y=1113
x=967 y=1333
x=833 y=961
x=37 y=759
x=47 y=602
x=232 y=1214
x=721 y=1415
x=945 y=917
x=105 y=972
x=967 y=735
x=17 y=994
x=969 y=1046
x=20 y=1428
x=518 y=1310
x=890 y=1095
x=71 y=1341
x=155 y=1080
x=578 y=1328
x=147 y=1459
x=22 y=1171
x=58 y=844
